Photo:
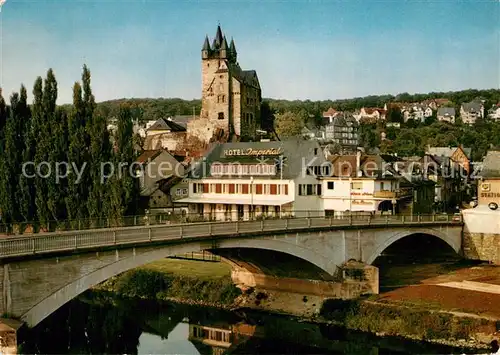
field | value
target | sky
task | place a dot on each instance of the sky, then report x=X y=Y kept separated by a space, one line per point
x=315 y=50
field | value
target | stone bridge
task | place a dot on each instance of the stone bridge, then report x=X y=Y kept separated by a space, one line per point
x=41 y=272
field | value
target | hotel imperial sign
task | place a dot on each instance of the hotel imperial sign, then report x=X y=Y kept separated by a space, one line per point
x=252 y=152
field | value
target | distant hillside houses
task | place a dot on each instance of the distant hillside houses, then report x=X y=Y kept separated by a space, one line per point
x=471 y=111
x=494 y=112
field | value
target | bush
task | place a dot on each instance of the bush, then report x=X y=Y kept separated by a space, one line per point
x=141 y=283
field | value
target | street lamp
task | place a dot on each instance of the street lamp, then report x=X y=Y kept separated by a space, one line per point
x=251 y=197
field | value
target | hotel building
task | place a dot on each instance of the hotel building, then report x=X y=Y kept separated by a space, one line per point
x=237 y=181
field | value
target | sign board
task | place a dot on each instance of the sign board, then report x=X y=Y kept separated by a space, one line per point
x=252 y=152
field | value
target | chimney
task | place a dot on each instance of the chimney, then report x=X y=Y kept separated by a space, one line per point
x=358 y=163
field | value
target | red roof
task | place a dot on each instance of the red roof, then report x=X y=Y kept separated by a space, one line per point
x=331 y=112
x=148 y=155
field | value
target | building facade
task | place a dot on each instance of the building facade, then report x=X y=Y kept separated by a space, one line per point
x=471 y=111
x=343 y=130
x=362 y=183
x=239 y=181
x=231 y=97
x=446 y=114
x=489 y=184
x=161 y=180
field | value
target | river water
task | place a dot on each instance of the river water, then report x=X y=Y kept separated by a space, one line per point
x=93 y=325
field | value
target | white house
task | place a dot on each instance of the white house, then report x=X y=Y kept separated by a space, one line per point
x=365 y=184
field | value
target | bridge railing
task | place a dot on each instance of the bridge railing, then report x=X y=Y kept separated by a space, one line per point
x=27 y=228
x=75 y=240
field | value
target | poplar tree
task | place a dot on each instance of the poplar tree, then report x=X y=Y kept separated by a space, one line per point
x=77 y=197
x=11 y=159
x=26 y=191
x=57 y=189
x=41 y=133
x=7 y=203
x=100 y=151
x=44 y=105
x=123 y=185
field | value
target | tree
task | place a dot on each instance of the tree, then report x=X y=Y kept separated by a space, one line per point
x=40 y=124
x=76 y=200
x=123 y=185
x=394 y=114
x=26 y=191
x=100 y=150
x=288 y=124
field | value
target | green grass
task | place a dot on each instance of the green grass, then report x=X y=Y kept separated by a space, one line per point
x=183 y=280
x=192 y=268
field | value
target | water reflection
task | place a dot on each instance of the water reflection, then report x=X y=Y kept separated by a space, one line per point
x=90 y=326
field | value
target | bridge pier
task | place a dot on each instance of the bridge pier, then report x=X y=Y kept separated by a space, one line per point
x=8 y=335
x=291 y=295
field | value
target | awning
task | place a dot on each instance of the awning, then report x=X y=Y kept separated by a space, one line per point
x=238 y=201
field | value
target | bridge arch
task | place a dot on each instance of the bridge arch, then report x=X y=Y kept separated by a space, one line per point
x=453 y=240
x=141 y=256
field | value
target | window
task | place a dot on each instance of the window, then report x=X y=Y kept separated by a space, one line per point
x=356 y=185
x=274 y=190
x=231 y=188
x=330 y=185
x=382 y=186
x=218 y=188
x=309 y=190
x=286 y=189
x=245 y=188
x=221 y=115
x=205 y=188
x=258 y=189
x=315 y=151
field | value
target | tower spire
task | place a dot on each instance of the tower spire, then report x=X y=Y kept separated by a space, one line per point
x=206 y=44
x=218 y=37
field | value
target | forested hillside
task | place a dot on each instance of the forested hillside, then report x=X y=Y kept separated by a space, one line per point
x=151 y=109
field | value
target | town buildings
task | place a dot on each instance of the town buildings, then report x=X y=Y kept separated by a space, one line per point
x=231 y=96
x=161 y=181
x=239 y=181
x=489 y=184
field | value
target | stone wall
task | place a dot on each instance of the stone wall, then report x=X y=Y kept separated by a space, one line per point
x=482 y=246
x=481 y=234
x=344 y=289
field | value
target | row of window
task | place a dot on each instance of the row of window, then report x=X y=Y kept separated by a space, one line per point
x=310 y=190
x=249 y=169
x=258 y=189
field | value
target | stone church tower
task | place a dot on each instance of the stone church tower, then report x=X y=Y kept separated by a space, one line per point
x=231 y=97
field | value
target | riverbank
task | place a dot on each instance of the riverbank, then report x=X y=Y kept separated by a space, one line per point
x=209 y=284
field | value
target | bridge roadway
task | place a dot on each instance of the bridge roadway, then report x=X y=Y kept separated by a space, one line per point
x=57 y=242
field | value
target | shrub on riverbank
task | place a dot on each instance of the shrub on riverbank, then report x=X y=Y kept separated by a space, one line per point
x=403 y=321
x=154 y=285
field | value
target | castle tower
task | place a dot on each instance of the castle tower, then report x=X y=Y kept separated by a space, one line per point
x=230 y=96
